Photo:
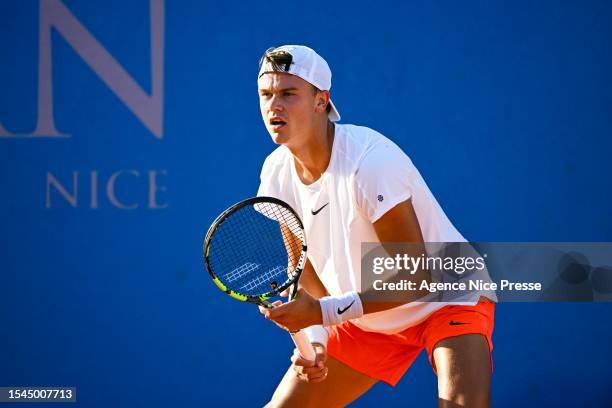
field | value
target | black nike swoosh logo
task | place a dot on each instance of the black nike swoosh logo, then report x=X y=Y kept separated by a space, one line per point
x=454 y=323
x=340 y=311
x=319 y=210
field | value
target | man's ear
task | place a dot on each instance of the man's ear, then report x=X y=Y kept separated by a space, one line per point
x=322 y=100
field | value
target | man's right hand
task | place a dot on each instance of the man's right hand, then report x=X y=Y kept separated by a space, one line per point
x=306 y=370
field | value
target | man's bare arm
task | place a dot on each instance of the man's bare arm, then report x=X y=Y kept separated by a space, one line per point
x=308 y=279
x=311 y=282
x=399 y=225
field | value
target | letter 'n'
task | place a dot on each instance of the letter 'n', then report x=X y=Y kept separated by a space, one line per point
x=147 y=108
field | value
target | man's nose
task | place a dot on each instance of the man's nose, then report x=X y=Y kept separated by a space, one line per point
x=275 y=104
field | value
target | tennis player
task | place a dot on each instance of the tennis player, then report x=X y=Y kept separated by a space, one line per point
x=350 y=184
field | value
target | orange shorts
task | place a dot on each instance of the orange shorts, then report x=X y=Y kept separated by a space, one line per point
x=386 y=357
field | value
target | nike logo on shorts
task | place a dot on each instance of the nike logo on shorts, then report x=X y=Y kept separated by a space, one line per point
x=454 y=323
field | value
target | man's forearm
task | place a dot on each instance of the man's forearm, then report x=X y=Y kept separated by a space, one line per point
x=376 y=301
x=311 y=282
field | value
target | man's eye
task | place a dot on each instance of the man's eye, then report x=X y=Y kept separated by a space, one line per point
x=289 y=93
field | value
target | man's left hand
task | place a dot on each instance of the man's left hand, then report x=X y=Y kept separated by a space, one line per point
x=302 y=312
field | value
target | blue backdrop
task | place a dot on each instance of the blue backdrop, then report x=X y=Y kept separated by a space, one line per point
x=126 y=126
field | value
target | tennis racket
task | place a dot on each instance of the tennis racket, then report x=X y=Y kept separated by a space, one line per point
x=254 y=251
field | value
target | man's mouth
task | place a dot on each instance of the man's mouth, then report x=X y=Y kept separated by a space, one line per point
x=276 y=124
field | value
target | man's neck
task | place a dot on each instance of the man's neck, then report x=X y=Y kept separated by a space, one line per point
x=312 y=159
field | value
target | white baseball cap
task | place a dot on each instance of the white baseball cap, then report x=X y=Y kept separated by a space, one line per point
x=306 y=64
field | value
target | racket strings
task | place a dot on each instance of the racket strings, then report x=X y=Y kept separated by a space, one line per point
x=241 y=271
x=262 y=279
x=257 y=248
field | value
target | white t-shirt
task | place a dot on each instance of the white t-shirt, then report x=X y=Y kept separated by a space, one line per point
x=367 y=176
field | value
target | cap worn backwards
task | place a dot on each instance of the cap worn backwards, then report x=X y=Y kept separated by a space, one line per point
x=305 y=63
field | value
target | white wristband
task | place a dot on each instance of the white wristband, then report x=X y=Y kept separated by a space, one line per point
x=337 y=309
x=317 y=335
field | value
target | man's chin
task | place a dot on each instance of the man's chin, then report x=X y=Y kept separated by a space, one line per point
x=279 y=138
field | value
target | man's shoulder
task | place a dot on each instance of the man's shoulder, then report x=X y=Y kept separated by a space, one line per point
x=275 y=160
x=362 y=135
x=360 y=141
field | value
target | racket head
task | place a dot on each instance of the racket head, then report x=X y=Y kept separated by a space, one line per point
x=255 y=249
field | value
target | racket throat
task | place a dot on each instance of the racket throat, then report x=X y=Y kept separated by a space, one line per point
x=259 y=301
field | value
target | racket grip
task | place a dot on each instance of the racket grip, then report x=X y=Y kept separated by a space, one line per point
x=302 y=342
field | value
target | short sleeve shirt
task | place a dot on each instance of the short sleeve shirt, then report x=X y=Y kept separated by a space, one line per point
x=367 y=176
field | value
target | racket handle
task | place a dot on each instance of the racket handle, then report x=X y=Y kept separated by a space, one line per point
x=302 y=342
